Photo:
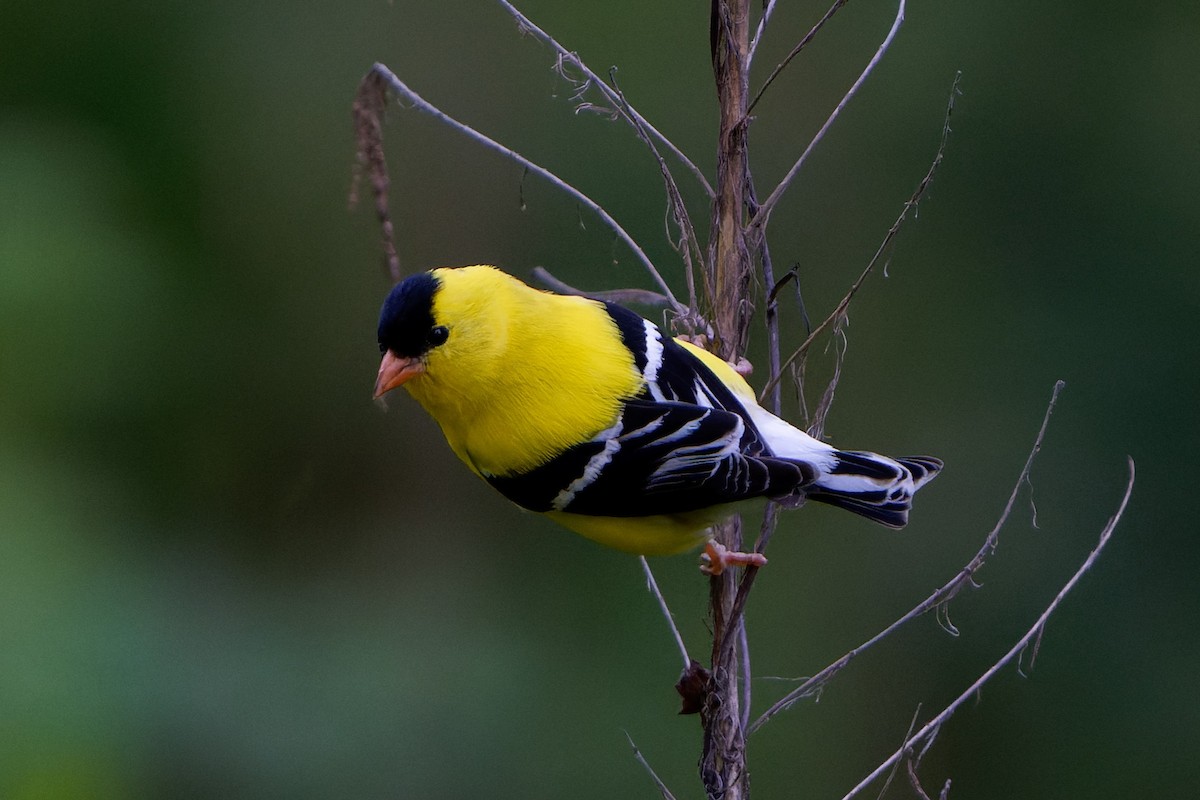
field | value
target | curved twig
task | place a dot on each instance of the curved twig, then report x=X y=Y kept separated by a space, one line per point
x=938 y=599
x=421 y=104
x=762 y=27
x=652 y=586
x=631 y=115
x=687 y=244
x=639 y=297
x=931 y=728
x=909 y=205
x=764 y=212
x=808 y=37
x=641 y=759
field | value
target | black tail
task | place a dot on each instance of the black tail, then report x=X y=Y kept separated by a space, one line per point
x=874 y=486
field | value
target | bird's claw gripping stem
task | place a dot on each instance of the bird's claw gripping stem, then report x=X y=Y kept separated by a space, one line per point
x=716 y=558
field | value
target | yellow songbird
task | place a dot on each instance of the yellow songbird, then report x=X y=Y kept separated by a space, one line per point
x=584 y=411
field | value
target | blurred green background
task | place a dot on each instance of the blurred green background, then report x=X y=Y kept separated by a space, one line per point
x=225 y=573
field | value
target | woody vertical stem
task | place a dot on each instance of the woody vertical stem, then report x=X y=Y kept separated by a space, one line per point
x=723 y=762
x=729 y=256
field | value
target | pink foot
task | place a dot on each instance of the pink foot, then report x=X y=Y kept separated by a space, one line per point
x=716 y=558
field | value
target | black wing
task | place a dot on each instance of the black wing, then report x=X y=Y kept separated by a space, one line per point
x=670 y=372
x=659 y=458
x=684 y=443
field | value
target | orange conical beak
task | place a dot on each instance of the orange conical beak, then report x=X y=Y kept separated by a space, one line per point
x=394 y=371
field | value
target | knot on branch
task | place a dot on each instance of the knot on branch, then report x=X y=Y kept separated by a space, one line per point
x=693 y=687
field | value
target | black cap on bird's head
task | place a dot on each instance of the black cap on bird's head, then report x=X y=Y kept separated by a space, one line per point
x=407 y=330
x=407 y=316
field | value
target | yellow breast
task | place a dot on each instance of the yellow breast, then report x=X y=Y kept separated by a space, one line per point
x=660 y=535
x=524 y=374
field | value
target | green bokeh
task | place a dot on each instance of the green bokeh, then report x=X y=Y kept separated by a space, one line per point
x=224 y=573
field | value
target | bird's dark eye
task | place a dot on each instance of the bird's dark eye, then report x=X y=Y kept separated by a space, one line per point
x=438 y=334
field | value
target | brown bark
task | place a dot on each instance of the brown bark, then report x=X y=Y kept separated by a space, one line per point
x=723 y=761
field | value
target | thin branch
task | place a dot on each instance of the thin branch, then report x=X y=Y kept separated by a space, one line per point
x=914 y=781
x=638 y=297
x=947 y=592
x=744 y=650
x=424 y=106
x=909 y=205
x=738 y=609
x=729 y=637
x=762 y=27
x=771 y=315
x=630 y=114
x=760 y=219
x=934 y=724
x=913 y=761
x=687 y=244
x=652 y=585
x=769 y=522
x=891 y=775
x=841 y=342
x=808 y=37
x=837 y=312
x=771 y=321
x=637 y=754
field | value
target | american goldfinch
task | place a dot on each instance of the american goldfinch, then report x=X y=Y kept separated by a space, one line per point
x=584 y=411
